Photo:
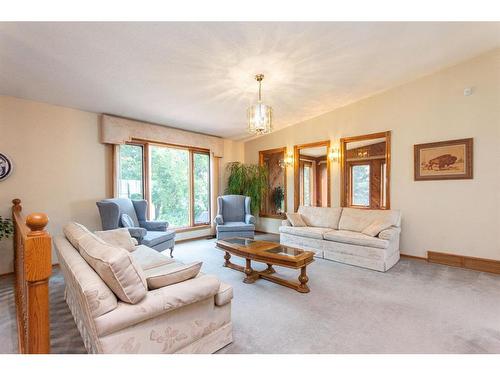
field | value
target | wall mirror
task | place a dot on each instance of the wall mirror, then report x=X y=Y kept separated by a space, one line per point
x=365 y=171
x=274 y=199
x=312 y=175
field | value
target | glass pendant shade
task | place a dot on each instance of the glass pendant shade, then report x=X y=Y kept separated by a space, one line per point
x=259 y=118
x=259 y=115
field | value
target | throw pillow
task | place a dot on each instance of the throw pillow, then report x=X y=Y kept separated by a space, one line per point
x=116 y=267
x=127 y=221
x=118 y=237
x=376 y=227
x=73 y=232
x=296 y=220
x=171 y=274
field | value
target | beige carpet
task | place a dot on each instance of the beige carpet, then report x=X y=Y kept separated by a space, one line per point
x=416 y=307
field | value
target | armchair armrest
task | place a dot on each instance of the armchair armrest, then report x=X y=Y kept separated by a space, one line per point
x=389 y=234
x=219 y=220
x=158 y=302
x=249 y=219
x=154 y=225
x=137 y=232
x=285 y=223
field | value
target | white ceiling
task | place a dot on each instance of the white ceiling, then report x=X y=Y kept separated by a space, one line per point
x=199 y=76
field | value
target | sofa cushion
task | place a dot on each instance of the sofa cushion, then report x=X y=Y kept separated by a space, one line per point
x=148 y=258
x=235 y=226
x=357 y=219
x=224 y=295
x=309 y=232
x=324 y=217
x=73 y=232
x=376 y=227
x=173 y=273
x=116 y=267
x=153 y=238
x=117 y=237
x=355 y=238
x=296 y=219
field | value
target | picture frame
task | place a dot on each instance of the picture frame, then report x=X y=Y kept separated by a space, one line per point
x=445 y=160
x=5 y=167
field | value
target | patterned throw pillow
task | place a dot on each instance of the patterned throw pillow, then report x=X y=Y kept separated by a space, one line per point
x=127 y=221
x=376 y=227
x=296 y=220
x=169 y=274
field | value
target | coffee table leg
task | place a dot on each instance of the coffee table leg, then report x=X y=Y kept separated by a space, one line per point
x=303 y=279
x=227 y=256
x=249 y=273
x=269 y=269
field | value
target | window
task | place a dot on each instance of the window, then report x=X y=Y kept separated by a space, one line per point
x=131 y=172
x=360 y=183
x=307 y=185
x=175 y=181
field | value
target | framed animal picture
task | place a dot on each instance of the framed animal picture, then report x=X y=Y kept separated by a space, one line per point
x=447 y=160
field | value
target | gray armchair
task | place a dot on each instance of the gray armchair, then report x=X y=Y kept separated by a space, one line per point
x=153 y=234
x=234 y=218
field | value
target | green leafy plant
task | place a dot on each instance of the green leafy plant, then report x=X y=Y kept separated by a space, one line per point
x=278 y=197
x=249 y=180
x=6 y=228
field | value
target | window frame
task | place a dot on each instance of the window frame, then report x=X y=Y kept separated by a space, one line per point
x=146 y=177
x=351 y=183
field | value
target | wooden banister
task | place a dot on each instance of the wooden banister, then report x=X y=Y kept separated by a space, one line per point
x=32 y=267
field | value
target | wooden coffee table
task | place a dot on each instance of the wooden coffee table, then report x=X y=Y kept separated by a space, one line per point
x=271 y=253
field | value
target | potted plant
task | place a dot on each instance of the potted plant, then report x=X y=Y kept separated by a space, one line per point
x=278 y=198
x=6 y=228
x=249 y=180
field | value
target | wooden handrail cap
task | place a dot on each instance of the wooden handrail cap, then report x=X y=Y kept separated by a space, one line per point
x=37 y=221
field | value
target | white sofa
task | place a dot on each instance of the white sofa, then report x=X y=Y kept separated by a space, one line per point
x=334 y=233
x=193 y=316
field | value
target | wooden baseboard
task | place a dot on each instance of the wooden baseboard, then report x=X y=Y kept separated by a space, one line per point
x=192 y=239
x=413 y=257
x=454 y=260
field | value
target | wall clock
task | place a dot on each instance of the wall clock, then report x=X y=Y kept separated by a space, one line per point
x=5 y=167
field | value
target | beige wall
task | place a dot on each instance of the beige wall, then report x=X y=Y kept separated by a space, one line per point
x=60 y=167
x=457 y=216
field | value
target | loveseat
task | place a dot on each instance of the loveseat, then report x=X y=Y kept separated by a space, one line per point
x=192 y=316
x=336 y=233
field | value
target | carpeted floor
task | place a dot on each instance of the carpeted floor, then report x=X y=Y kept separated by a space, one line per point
x=415 y=307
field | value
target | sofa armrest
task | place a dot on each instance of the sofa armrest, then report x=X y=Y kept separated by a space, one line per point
x=389 y=234
x=219 y=220
x=285 y=223
x=137 y=232
x=157 y=302
x=160 y=226
x=224 y=295
x=249 y=219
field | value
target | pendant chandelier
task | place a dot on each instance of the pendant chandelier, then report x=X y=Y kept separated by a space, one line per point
x=259 y=115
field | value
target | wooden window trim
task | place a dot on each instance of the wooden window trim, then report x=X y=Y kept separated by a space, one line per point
x=343 y=168
x=296 y=171
x=146 y=178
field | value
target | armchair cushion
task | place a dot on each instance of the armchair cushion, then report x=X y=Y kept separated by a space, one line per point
x=158 y=302
x=172 y=273
x=127 y=221
x=237 y=226
x=117 y=237
x=116 y=267
x=154 y=225
x=153 y=238
x=233 y=207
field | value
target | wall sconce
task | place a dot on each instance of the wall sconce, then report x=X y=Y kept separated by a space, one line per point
x=333 y=155
x=287 y=161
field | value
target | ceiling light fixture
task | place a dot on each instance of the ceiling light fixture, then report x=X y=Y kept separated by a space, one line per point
x=259 y=115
